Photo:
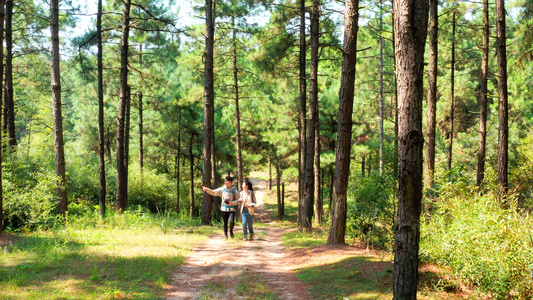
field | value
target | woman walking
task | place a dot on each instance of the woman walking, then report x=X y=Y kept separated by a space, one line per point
x=229 y=203
x=247 y=198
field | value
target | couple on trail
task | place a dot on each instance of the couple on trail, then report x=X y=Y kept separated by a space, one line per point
x=230 y=201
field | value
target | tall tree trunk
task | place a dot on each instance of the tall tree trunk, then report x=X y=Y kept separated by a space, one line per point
x=2 y=13
x=141 y=145
x=237 y=113
x=278 y=187
x=503 y=105
x=191 y=178
x=208 y=110
x=381 y=100
x=315 y=43
x=58 y=119
x=127 y=128
x=9 y=98
x=122 y=179
x=337 y=230
x=178 y=152
x=432 y=92
x=452 y=100
x=410 y=31
x=330 y=186
x=269 y=172
x=483 y=96
x=309 y=185
x=319 y=208
x=301 y=110
x=101 y=136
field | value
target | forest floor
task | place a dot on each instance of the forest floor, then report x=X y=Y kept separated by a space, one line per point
x=266 y=269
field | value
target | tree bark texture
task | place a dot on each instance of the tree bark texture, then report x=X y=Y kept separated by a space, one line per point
x=381 y=100
x=209 y=104
x=452 y=99
x=9 y=97
x=503 y=105
x=191 y=178
x=58 y=119
x=337 y=230
x=141 y=140
x=122 y=181
x=302 y=109
x=315 y=43
x=309 y=183
x=319 y=208
x=483 y=96
x=278 y=190
x=410 y=31
x=178 y=175
x=432 y=92
x=240 y=172
x=101 y=135
x=2 y=16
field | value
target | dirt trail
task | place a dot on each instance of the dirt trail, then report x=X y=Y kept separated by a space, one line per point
x=219 y=264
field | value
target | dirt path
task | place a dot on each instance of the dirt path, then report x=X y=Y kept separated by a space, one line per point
x=220 y=268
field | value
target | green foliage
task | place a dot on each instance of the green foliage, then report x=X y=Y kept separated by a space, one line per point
x=484 y=243
x=29 y=191
x=371 y=210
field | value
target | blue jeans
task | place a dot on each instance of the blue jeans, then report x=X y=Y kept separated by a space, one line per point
x=247 y=222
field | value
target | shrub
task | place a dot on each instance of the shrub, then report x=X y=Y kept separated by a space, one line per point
x=371 y=210
x=29 y=195
x=485 y=244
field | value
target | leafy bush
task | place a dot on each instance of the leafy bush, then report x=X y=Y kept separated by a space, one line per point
x=29 y=195
x=485 y=244
x=371 y=210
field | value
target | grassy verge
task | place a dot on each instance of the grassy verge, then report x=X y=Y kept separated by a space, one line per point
x=131 y=262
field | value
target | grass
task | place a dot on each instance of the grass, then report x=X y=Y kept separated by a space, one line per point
x=346 y=279
x=94 y=263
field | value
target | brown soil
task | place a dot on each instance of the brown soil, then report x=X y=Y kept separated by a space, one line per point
x=220 y=263
x=7 y=240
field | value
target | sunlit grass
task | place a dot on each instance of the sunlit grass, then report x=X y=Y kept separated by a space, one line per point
x=98 y=263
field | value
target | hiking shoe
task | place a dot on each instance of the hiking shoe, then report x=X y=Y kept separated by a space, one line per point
x=244 y=238
x=251 y=237
x=231 y=234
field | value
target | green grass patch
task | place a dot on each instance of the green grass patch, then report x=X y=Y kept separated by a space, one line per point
x=298 y=239
x=350 y=278
x=130 y=262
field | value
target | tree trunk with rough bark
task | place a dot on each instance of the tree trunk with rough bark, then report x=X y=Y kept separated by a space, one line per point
x=209 y=104
x=122 y=177
x=483 y=96
x=432 y=93
x=452 y=99
x=9 y=96
x=301 y=110
x=240 y=175
x=2 y=14
x=141 y=135
x=191 y=178
x=58 y=118
x=410 y=32
x=101 y=133
x=315 y=44
x=309 y=183
x=503 y=104
x=337 y=230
